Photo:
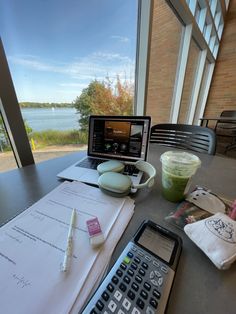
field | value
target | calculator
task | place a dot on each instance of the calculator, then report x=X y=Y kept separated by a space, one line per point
x=140 y=281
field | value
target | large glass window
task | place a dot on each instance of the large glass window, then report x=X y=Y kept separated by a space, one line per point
x=7 y=160
x=69 y=59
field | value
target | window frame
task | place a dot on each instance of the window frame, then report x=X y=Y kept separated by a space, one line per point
x=11 y=115
x=207 y=33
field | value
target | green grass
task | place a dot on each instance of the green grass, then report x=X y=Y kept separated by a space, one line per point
x=53 y=137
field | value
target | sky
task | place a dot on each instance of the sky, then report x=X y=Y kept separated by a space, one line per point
x=55 y=48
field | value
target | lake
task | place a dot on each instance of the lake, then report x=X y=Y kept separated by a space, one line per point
x=40 y=119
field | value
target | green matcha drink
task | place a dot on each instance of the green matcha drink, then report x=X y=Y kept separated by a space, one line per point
x=177 y=169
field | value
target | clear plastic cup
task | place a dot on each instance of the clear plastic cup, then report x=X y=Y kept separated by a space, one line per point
x=177 y=169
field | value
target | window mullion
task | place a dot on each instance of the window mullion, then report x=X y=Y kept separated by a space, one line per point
x=180 y=76
x=197 y=86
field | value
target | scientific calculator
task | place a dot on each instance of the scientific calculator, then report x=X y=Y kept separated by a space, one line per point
x=141 y=279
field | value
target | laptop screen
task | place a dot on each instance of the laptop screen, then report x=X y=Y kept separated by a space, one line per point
x=123 y=137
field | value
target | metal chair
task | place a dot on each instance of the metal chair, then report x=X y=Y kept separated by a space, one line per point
x=184 y=136
x=227 y=128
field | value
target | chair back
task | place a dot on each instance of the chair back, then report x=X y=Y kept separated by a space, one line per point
x=228 y=125
x=184 y=136
x=228 y=113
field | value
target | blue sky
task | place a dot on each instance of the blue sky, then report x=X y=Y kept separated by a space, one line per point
x=56 y=47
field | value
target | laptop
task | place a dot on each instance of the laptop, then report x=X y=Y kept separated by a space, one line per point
x=124 y=138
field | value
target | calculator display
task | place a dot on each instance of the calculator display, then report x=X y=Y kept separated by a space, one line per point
x=157 y=243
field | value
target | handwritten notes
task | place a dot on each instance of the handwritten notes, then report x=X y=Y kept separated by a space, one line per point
x=32 y=247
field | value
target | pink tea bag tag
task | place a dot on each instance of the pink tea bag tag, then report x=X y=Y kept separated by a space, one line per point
x=96 y=236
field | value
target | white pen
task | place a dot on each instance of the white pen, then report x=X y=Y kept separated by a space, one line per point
x=68 y=252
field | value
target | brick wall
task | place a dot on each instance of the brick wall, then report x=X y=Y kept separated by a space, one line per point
x=165 y=43
x=189 y=80
x=164 y=50
x=222 y=95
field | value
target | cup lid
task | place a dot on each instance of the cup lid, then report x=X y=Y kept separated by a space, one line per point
x=183 y=158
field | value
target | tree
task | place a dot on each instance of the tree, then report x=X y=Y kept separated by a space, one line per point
x=104 y=98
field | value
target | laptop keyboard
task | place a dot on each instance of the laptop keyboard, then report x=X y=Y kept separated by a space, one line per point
x=131 y=170
x=92 y=163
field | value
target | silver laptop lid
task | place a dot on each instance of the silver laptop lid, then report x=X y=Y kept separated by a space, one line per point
x=119 y=137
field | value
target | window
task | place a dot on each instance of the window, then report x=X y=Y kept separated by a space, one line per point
x=57 y=49
x=7 y=159
x=202 y=24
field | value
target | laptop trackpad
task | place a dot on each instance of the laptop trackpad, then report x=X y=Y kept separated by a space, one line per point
x=80 y=174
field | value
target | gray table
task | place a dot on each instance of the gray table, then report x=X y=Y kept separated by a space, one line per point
x=199 y=286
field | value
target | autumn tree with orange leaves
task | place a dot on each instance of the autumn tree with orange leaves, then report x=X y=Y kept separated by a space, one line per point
x=104 y=98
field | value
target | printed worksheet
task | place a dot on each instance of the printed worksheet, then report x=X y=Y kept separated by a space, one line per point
x=32 y=248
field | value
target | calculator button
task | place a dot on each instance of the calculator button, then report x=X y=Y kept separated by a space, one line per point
x=120 y=312
x=158 y=274
x=156 y=294
x=140 y=253
x=149 y=310
x=134 y=249
x=112 y=306
x=138 y=279
x=156 y=278
x=93 y=312
x=147 y=286
x=122 y=287
x=144 y=294
x=131 y=294
x=164 y=269
x=137 y=260
x=99 y=305
x=126 y=304
x=130 y=254
x=154 y=282
x=118 y=295
x=140 y=303
x=105 y=296
x=144 y=265
x=126 y=279
x=126 y=260
x=141 y=272
x=123 y=266
x=130 y=272
x=160 y=281
x=134 y=266
x=156 y=264
x=110 y=287
x=153 y=303
x=152 y=275
x=115 y=280
x=135 y=311
x=119 y=273
x=148 y=258
x=135 y=286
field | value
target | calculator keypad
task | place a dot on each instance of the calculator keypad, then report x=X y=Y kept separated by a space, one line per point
x=134 y=285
